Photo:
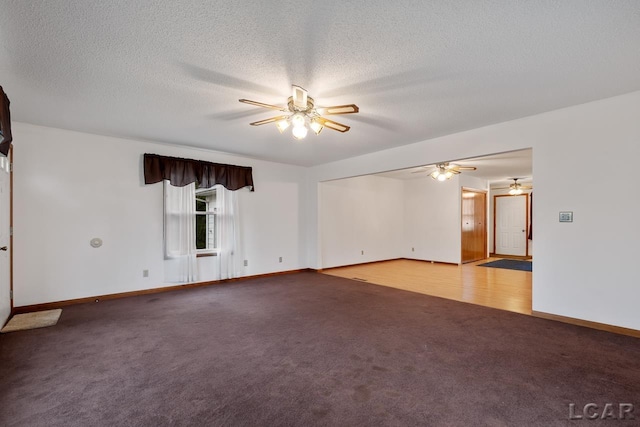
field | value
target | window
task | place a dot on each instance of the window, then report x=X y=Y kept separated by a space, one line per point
x=206 y=217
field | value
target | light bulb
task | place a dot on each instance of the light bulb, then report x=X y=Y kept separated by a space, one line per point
x=442 y=177
x=299 y=132
x=316 y=127
x=282 y=125
x=298 y=120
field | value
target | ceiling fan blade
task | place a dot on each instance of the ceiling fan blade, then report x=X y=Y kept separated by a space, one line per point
x=421 y=171
x=457 y=167
x=339 y=109
x=333 y=125
x=271 y=120
x=262 y=104
x=299 y=97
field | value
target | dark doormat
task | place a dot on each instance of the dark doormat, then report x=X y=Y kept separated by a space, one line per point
x=511 y=264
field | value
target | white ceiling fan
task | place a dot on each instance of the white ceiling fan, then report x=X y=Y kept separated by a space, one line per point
x=445 y=170
x=515 y=188
x=302 y=114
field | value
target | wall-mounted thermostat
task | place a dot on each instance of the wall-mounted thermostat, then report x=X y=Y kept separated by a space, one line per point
x=566 y=216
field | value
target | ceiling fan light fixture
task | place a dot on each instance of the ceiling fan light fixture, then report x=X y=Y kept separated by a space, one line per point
x=316 y=127
x=441 y=173
x=282 y=125
x=302 y=115
x=299 y=132
x=298 y=120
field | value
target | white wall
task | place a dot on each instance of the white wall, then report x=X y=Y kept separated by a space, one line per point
x=585 y=269
x=390 y=218
x=70 y=187
x=362 y=214
x=432 y=220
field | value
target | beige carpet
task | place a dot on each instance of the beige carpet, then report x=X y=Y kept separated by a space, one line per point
x=38 y=319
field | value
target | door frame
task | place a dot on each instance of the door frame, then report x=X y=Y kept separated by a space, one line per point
x=485 y=235
x=8 y=176
x=526 y=224
x=10 y=157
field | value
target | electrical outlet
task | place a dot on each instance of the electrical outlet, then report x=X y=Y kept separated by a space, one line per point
x=361 y=252
x=413 y=249
x=145 y=273
x=246 y=262
x=280 y=259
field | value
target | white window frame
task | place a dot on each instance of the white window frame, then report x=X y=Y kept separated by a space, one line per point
x=210 y=213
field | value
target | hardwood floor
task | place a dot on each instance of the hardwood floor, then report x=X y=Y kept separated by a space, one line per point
x=492 y=287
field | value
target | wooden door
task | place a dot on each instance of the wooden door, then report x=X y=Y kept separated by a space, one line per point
x=474 y=229
x=510 y=234
x=5 y=247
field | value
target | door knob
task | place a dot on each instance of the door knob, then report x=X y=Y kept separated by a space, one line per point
x=4 y=248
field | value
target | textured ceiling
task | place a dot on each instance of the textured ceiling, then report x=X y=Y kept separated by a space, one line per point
x=173 y=71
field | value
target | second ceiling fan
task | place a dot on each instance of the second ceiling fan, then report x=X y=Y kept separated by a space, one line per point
x=445 y=170
x=302 y=114
x=515 y=188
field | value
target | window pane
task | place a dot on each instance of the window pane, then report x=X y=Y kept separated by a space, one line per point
x=201 y=206
x=201 y=231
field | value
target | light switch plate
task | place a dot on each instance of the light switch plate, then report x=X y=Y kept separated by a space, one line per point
x=566 y=216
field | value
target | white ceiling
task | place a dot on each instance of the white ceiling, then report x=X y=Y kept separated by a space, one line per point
x=173 y=71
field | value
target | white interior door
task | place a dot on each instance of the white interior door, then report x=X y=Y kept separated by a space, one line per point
x=511 y=225
x=5 y=249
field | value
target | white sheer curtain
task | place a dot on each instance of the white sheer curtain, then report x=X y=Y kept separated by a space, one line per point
x=230 y=255
x=179 y=233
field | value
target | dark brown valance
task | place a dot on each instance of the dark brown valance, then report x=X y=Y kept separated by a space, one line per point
x=181 y=172
x=5 y=124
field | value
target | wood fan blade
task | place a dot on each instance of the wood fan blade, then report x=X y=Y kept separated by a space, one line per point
x=339 y=109
x=333 y=125
x=299 y=97
x=262 y=104
x=271 y=120
x=454 y=166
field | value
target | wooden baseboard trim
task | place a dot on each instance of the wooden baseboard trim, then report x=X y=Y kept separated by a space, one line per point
x=431 y=262
x=359 y=263
x=320 y=270
x=588 y=324
x=98 y=298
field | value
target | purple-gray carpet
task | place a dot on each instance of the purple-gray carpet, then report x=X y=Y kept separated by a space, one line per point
x=310 y=349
